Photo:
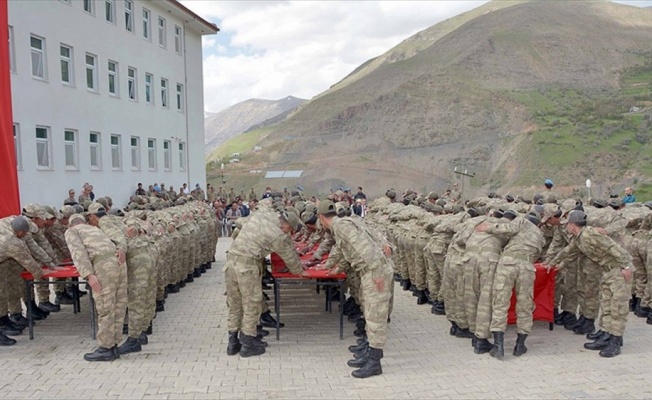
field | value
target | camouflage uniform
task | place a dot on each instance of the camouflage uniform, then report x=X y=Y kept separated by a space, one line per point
x=566 y=285
x=93 y=252
x=516 y=271
x=610 y=257
x=260 y=236
x=139 y=270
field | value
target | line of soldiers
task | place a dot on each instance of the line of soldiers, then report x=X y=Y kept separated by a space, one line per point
x=131 y=258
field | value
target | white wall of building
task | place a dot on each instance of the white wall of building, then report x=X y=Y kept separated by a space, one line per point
x=50 y=103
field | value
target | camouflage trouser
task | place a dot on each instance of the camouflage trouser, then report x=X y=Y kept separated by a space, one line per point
x=614 y=302
x=519 y=275
x=420 y=269
x=638 y=250
x=11 y=287
x=263 y=304
x=353 y=285
x=410 y=260
x=589 y=288
x=244 y=294
x=401 y=262
x=568 y=288
x=111 y=302
x=376 y=302
x=435 y=269
x=478 y=278
x=486 y=273
x=139 y=270
x=453 y=288
x=158 y=256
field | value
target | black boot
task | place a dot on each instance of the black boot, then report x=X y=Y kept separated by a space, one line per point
x=125 y=329
x=594 y=335
x=209 y=265
x=356 y=314
x=150 y=329
x=565 y=318
x=573 y=325
x=39 y=311
x=64 y=298
x=641 y=311
x=360 y=353
x=160 y=305
x=520 y=348
x=202 y=268
x=173 y=288
x=131 y=345
x=196 y=273
x=454 y=328
x=406 y=284
x=19 y=320
x=115 y=352
x=587 y=327
x=360 y=361
x=268 y=321
x=143 y=339
x=9 y=328
x=613 y=348
x=464 y=333
x=6 y=341
x=261 y=332
x=189 y=278
x=372 y=367
x=499 y=345
x=49 y=307
x=440 y=308
x=649 y=319
x=234 y=345
x=422 y=298
x=632 y=303
x=599 y=343
x=248 y=348
x=356 y=348
x=101 y=354
x=482 y=346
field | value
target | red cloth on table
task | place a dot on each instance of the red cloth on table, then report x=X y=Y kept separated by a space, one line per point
x=279 y=266
x=544 y=296
x=314 y=274
x=66 y=272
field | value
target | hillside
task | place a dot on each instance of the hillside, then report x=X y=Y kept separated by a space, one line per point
x=514 y=93
x=224 y=125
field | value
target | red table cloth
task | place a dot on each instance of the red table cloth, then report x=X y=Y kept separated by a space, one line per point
x=544 y=296
x=69 y=271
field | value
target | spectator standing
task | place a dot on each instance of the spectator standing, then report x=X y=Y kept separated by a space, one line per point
x=70 y=200
x=140 y=191
x=360 y=194
x=629 y=196
x=232 y=214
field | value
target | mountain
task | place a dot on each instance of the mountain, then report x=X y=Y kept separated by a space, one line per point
x=511 y=92
x=222 y=126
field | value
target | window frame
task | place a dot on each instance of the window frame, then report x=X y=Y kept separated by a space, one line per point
x=132 y=83
x=48 y=144
x=135 y=148
x=149 y=88
x=151 y=155
x=71 y=64
x=116 y=78
x=182 y=156
x=12 y=49
x=178 y=43
x=118 y=148
x=180 y=97
x=98 y=146
x=167 y=155
x=91 y=7
x=43 y=56
x=129 y=16
x=147 y=24
x=18 y=146
x=162 y=32
x=109 y=13
x=75 y=149
x=165 y=93
x=94 y=69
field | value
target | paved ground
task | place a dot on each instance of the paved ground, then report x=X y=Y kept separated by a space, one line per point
x=186 y=358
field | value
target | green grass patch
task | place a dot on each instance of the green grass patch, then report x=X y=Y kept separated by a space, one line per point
x=243 y=143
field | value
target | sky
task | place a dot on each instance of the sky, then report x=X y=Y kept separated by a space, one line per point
x=273 y=49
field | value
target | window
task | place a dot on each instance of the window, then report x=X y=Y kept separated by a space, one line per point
x=88 y=7
x=135 y=152
x=116 y=152
x=129 y=19
x=19 y=153
x=70 y=148
x=147 y=34
x=167 y=155
x=96 y=150
x=38 y=56
x=182 y=156
x=177 y=39
x=131 y=83
x=66 y=65
x=114 y=85
x=180 y=97
x=149 y=90
x=162 y=40
x=109 y=11
x=151 y=153
x=43 y=150
x=12 y=50
x=91 y=72
x=164 y=92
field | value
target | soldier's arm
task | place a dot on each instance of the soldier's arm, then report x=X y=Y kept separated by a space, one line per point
x=42 y=241
x=335 y=257
x=325 y=246
x=17 y=249
x=115 y=232
x=36 y=251
x=80 y=256
x=505 y=230
x=283 y=246
x=59 y=242
x=557 y=244
x=569 y=252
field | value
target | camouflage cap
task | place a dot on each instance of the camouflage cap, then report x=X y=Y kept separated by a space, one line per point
x=615 y=203
x=600 y=203
x=67 y=211
x=96 y=209
x=103 y=202
x=116 y=211
x=300 y=206
x=326 y=207
x=533 y=217
x=20 y=224
x=577 y=217
x=391 y=193
x=292 y=210
x=457 y=208
x=550 y=210
x=36 y=211
x=76 y=219
x=510 y=214
x=308 y=217
x=441 y=202
x=568 y=205
x=79 y=209
x=50 y=210
x=109 y=201
x=293 y=220
x=433 y=196
x=433 y=208
x=312 y=207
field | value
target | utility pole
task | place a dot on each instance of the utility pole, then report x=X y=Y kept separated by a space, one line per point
x=464 y=174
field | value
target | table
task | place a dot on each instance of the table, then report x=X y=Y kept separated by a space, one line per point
x=316 y=277
x=68 y=271
x=544 y=297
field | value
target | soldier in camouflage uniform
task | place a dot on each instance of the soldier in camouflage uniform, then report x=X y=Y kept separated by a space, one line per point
x=516 y=272
x=368 y=254
x=617 y=269
x=97 y=260
x=264 y=233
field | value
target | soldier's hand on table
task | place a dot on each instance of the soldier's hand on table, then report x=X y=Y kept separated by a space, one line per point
x=94 y=283
x=627 y=274
x=122 y=258
x=304 y=273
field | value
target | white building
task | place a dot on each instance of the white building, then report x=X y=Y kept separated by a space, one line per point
x=108 y=92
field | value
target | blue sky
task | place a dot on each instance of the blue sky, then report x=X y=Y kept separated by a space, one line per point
x=272 y=49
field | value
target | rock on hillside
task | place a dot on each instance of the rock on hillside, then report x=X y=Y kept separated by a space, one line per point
x=222 y=126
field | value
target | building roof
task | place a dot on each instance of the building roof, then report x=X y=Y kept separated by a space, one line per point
x=203 y=26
